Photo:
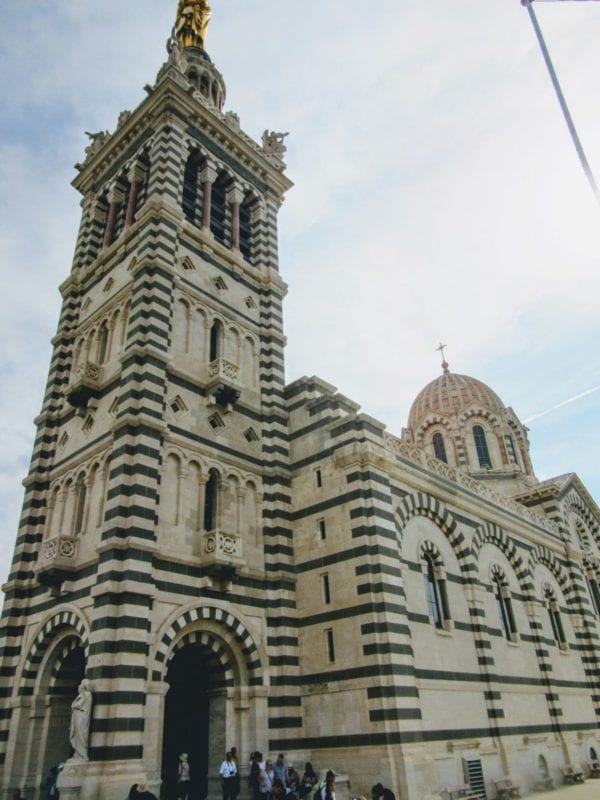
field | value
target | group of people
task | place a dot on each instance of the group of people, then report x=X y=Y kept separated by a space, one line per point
x=274 y=780
x=269 y=780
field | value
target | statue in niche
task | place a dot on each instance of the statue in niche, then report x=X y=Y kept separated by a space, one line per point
x=272 y=143
x=81 y=712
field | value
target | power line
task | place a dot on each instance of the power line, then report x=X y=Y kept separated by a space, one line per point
x=561 y=98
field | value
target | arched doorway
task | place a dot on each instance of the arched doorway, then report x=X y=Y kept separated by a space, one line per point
x=66 y=671
x=195 y=717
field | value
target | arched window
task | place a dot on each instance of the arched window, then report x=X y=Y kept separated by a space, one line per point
x=102 y=342
x=483 y=454
x=189 y=199
x=439 y=448
x=504 y=606
x=80 y=494
x=543 y=767
x=435 y=592
x=211 y=501
x=555 y=619
x=216 y=333
x=218 y=209
x=142 y=191
x=247 y=209
x=101 y=223
x=594 y=590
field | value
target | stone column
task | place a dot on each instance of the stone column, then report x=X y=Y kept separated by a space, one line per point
x=110 y=341
x=208 y=323
x=181 y=476
x=86 y=508
x=208 y=176
x=239 y=520
x=136 y=179
x=235 y=198
x=115 y=198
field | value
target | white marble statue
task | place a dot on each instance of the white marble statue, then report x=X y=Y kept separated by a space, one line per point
x=81 y=712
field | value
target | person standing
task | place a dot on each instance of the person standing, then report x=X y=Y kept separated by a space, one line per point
x=280 y=769
x=50 y=790
x=228 y=773
x=183 y=777
x=309 y=780
x=254 y=776
x=235 y=759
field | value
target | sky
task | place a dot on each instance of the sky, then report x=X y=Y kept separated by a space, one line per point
x=437 y=196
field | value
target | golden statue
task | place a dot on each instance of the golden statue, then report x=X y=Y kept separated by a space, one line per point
x=192 y=21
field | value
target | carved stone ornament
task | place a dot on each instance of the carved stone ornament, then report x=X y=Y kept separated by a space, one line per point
x=272 y=143
x=122 y=119
x=97 y=140
x=232 y=120
x=175 y=51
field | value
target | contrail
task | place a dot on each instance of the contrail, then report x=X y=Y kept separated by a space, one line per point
x=564 y=403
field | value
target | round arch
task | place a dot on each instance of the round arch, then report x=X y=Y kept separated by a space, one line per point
x=187 y=629
x=541 y=555
x=59 y=624
x=490 y=533
x=425 y=505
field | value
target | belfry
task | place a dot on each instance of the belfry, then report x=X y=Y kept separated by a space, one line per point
x=209 y=557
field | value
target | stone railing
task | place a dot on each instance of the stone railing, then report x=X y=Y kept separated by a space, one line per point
x=222 y=550
x=89 y=373
x=85 y=383
x=57 y=557
x=419 y=456
x=223 y=370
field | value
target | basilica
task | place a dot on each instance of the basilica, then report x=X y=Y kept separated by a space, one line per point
x=210 y=557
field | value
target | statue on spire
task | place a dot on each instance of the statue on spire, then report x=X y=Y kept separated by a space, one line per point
x=192 y=21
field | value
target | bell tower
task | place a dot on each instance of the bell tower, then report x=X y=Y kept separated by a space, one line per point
x=151 y=543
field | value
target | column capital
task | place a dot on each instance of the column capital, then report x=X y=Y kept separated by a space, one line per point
x=114 y=195
x=208 y=173
x=235 y=194
x=136 y=174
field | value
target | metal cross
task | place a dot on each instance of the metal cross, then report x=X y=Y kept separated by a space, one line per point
x=441 y=349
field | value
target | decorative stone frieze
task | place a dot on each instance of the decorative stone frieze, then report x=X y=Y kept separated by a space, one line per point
x=84 y=385
x=56 y=559
x=222 y=552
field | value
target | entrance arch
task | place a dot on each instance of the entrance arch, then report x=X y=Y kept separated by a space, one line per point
x=40 y=739
x=195 y=715
x=215 y=698
x=67 y=669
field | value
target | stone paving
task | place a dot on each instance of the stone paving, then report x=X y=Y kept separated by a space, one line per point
x=590 y=790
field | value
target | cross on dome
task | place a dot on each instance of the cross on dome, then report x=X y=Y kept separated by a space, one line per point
x=441 y=349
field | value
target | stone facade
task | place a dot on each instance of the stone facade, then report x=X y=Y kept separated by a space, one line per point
x=233 y=561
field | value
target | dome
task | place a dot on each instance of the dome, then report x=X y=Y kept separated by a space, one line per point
x=451 y=394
